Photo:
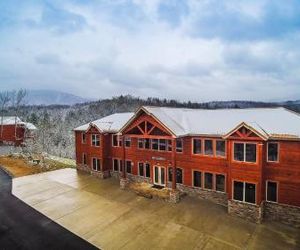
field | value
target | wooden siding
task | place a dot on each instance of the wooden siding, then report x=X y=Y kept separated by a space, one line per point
x=286 y=171
x=12 y=134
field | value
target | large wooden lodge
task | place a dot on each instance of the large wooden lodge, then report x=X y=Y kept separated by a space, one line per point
x=245 y=159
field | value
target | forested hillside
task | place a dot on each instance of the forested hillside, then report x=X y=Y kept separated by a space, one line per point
x=55 y=122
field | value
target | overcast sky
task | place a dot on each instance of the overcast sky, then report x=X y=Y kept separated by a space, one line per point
x=197 y=50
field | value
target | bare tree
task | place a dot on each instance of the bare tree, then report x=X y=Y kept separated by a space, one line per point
x=17 y=100
x=4 y=101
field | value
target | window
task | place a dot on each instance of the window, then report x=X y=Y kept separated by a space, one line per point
x=220 y=182
x=121 y=166
x=272 y=151
x=197 y=178
x=96 y=164
x=83 y=138
x=208 y=180
x=179 y=175
x=250 y=192
x=154 y=144
x=238 y=191
x=208 y=147
x=84 y=159
x=141 y=143
x=162 y=144
x=245 y=152
x=239 y=151
x=117 y=141
x=244 y=192
x=127 y=142
x=272 y=191
x=197 y=146
x=128 y=167
x=179 y=145
x=141 y=169
x=96 y=140
x=147 y=169
x=116 y=164
x=170 y=174
x=147 y=143
x=250 y=152
x=220 y=148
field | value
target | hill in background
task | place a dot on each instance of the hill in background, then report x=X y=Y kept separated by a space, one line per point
x=55 y=123
x=50 y=97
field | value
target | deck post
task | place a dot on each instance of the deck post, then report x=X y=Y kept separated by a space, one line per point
x=123 y=180
x=174 y=193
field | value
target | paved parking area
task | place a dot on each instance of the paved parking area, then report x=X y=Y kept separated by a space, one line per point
x=22 y=227
x=99 y=212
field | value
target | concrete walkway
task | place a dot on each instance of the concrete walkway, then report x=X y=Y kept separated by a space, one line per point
x=22 y=227
x=98 y=211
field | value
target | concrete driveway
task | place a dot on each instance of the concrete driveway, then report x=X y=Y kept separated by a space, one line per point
x=22 y=227
x=98 y=211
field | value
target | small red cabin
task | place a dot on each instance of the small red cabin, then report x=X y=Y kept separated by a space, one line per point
x=245 y=159
x=13 y=131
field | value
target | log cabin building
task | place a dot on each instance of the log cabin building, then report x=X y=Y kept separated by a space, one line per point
x=13 y=131
x=245 y=159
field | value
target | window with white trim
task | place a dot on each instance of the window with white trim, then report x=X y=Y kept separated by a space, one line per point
x=141 y=143
x=220 y=148
x=147 y=142
x=179 y=145
x=197 y=146
x=83 y=138
x=127 y=142
x=162 y=145
x=154 y=143
x=116 y=141
x=245 y=152
x=117 y=165
x=179 y=175
x=245 y=192
x=95 y=140
x=271 y=191
x=208 y=147
x=96 y=164
x=197 y=178
x=208 y=180
x=273 y=151
x=128 y=166
x=147 y=170
x=141 y=168
x=220 y=182
x=144 y=169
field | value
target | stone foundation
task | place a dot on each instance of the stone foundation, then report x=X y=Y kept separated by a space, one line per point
x=137 y=178
x=115 y=174
x=250 y=212
x=216 y=197
x=174 y=196
x=285 y=214
x=123 y=183
x=99 y=174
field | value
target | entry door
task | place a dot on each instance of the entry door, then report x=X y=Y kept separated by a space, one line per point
x=159 y=175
